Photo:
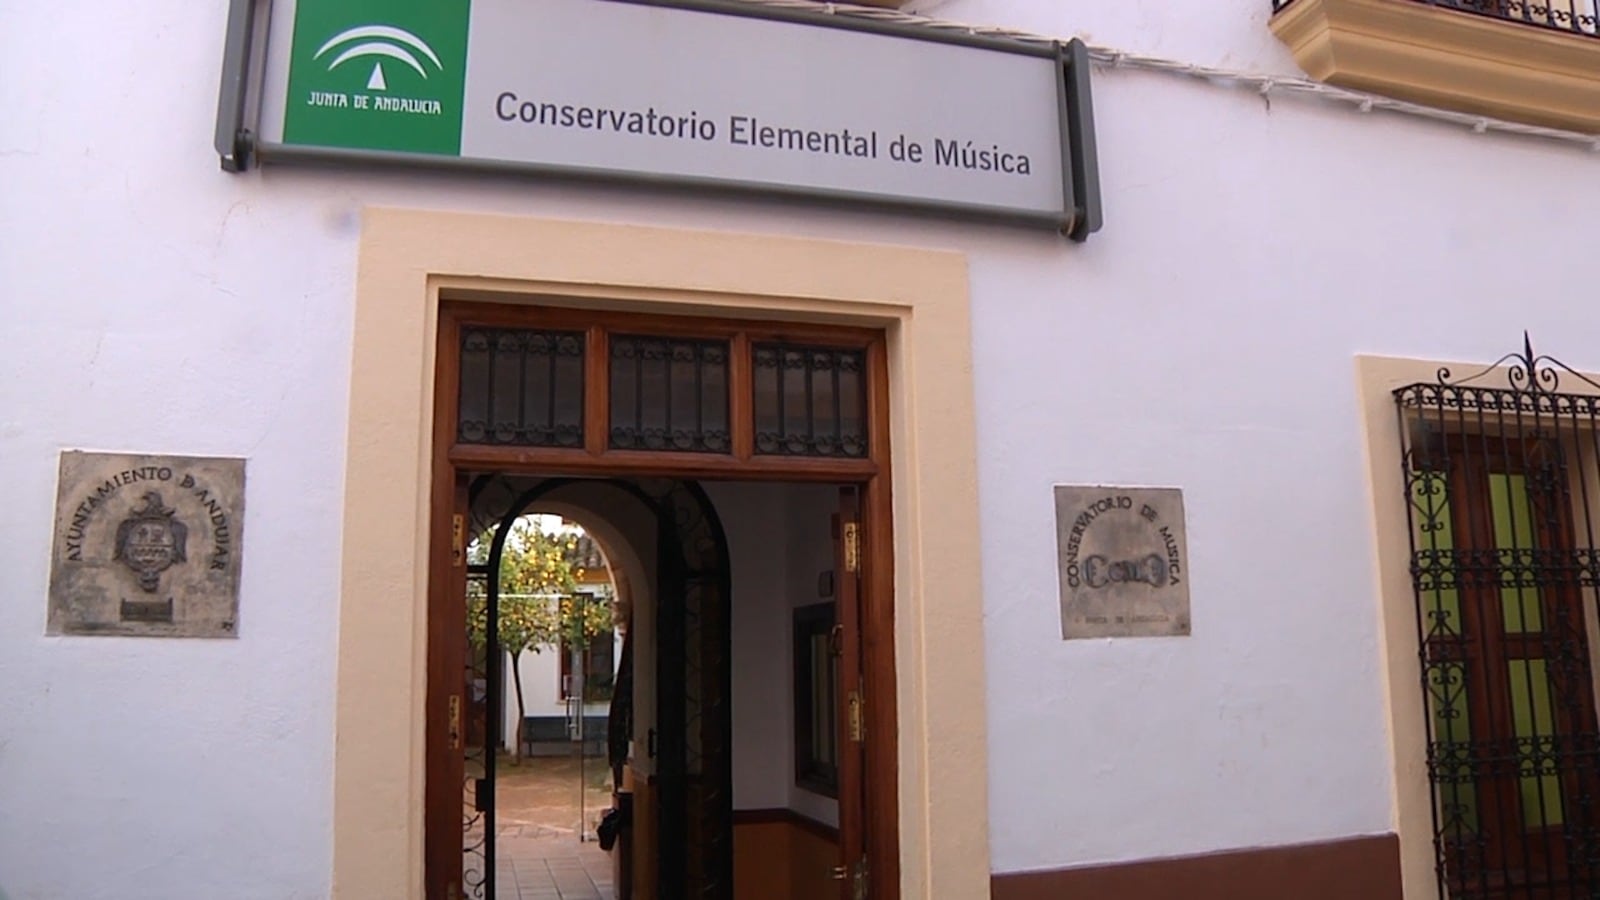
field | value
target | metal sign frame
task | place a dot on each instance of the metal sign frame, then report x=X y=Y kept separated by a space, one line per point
x=240 y=148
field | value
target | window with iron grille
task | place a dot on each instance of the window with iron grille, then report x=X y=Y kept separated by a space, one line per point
x=521 y=386
x=810 y=401
x=580 y=387
x=1501 y=482
x=669 y=394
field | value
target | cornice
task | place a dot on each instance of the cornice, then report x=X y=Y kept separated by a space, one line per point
x=1447 y=58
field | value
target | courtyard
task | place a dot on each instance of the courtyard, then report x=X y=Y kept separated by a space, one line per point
x=543 y=807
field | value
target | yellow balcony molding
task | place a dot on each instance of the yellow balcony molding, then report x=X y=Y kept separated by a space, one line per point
x=1448 y=58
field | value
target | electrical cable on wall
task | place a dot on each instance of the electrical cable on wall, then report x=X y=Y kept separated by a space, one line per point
x=1265 y=85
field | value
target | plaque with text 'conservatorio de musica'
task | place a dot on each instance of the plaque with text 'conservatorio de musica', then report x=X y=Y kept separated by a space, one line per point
x=1123 y=561
x=147 y=546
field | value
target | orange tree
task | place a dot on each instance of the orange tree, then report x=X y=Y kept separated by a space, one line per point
x=537 y=580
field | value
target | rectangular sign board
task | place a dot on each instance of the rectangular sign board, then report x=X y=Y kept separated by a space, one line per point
x=706 y=93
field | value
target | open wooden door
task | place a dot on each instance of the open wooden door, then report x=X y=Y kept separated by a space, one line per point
x=852 y=869
x=450 y=698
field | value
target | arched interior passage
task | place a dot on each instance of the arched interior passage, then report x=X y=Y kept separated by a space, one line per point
x=669 y=544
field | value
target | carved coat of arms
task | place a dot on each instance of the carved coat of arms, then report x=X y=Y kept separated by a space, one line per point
x=151 y=540
x=147 y=545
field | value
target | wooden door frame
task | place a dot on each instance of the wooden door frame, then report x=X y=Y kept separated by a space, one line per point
x=872 y=475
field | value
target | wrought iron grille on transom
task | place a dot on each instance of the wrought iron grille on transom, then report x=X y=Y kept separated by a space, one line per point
x=669 y=394
x=810 y=401
x=521 y=386
x=591 y=387
x=1501 y=482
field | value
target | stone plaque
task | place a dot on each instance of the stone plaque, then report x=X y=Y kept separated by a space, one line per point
x=1124 y=561
x=147 y=545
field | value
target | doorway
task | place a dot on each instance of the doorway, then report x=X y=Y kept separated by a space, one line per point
x=543 y=409
x=559 y=613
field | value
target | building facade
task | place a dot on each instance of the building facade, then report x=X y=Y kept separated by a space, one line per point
x=1277 y=259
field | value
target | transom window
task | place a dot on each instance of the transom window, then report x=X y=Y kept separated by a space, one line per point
x=700 y=388
x=521 y=387
x=669 y=394
x=810 y=401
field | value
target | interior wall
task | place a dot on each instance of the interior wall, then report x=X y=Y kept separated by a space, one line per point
x=779 y=542
x=810 y=554
x=753 y=518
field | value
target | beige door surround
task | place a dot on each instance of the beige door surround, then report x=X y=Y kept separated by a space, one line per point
x=410 y=258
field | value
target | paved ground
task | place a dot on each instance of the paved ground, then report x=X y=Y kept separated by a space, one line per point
x=551 y=868
x=544 y=791
x=539 y=821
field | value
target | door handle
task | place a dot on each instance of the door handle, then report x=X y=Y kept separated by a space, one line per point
x=455 y=722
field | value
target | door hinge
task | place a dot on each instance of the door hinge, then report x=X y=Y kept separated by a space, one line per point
x=458 y=535
x=858 y=713
x=852 y=547
x=857 y=876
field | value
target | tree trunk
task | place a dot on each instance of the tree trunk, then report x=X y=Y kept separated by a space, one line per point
x=522 y=715
x=579 y=672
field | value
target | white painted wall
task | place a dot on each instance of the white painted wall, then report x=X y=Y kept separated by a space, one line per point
x=810 y=553
x=541 y=689
x=754 y=520
x=1224 y=33
x=778 y=542
x=1203 y=339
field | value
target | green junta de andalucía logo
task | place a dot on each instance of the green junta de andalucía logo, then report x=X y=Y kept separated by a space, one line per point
x=378 y=74
x=380 y=42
